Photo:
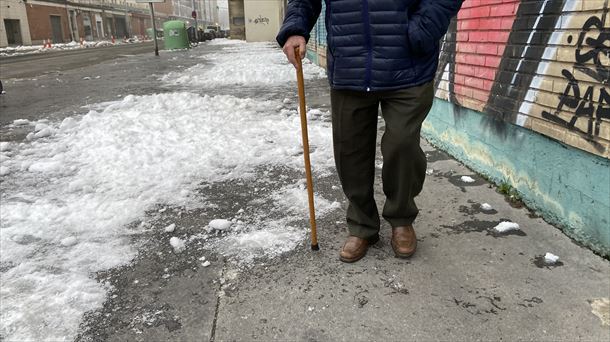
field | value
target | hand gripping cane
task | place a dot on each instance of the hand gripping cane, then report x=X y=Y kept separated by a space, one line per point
x=302 y=109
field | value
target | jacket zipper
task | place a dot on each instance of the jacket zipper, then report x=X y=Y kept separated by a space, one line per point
x=367 y=41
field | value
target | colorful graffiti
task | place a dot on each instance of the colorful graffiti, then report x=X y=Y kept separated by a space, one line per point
x=543 y=65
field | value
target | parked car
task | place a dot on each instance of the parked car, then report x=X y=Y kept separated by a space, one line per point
x=209 y=34
x=217 y=31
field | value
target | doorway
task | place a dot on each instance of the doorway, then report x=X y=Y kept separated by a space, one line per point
x=56 y=31
x=13 y=32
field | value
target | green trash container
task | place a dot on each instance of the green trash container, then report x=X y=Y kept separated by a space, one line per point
x=175 y=35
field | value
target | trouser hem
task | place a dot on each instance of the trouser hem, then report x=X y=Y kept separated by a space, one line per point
x=366 y=233
x=399 y=222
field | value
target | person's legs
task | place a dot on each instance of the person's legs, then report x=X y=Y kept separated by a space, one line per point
x=354 y=119
x=404 y=162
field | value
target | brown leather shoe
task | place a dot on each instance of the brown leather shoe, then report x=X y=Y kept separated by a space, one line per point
x=355 y=248
x=404 y=241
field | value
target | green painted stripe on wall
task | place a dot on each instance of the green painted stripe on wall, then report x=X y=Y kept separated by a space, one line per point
x=569 y=187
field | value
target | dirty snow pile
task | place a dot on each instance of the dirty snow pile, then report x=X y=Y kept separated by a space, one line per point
x=243 y=64
x=506 y=226
x=550 y=258
x=33 y=49
x=486 y=207
x=70 y=190
x=467 y=179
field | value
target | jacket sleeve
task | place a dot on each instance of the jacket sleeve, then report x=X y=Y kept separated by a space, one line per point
x=429 y=23
x=301 y=16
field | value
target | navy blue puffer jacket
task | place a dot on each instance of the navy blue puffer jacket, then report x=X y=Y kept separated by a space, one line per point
x=375 y=44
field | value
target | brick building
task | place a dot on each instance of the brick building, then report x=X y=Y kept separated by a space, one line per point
x=61 y=21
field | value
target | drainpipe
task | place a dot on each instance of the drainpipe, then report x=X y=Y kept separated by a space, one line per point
x=127 y=21
x=70 y=23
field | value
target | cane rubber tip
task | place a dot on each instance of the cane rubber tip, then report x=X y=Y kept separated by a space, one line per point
x=315 y=247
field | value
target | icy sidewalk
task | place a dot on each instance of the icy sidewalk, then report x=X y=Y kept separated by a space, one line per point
x=476 y=276
x=197 y=197
x=467 y=281
x=79 y=196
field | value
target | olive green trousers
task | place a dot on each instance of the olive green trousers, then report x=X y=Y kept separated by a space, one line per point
x=354 y=121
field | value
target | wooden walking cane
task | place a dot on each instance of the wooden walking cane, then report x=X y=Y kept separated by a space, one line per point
x=303 y=110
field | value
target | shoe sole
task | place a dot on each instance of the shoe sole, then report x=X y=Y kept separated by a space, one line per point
x=352 y=260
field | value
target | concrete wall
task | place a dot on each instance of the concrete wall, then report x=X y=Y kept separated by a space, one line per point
x=263 y=19
x=14 y=9
x=523 y=96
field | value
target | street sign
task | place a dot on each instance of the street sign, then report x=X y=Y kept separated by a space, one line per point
x=147 y=1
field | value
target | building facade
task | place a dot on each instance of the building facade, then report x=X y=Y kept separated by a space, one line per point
x=25 y=22
x=256 y=20
x=14 y=29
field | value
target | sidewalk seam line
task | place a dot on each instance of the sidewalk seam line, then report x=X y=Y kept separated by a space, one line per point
x=213 y=332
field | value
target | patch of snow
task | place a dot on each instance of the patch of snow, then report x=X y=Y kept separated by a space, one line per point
x=268 y=238
x=220 y=224
x=206 y=264
x=170 y=228
x=429 y=172
x=43 y=133
x=177 y=244
x=5 y=146
x=97 y=173
x=506 y=226
x=242 y=64
x=550 y=258
x=467 y=179
x=4 y=170
x=21 y=122
x=40 y=126
x=225 y=41
x=486 y=207
x=68 y=241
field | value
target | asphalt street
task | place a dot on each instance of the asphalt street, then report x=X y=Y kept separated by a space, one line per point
x=465 y=283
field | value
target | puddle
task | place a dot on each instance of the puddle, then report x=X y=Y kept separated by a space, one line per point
x=436 y=155
x=476 y=209
x=478 y=226
x=455 y=179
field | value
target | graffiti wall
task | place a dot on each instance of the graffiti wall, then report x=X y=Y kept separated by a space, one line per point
x=540 y=64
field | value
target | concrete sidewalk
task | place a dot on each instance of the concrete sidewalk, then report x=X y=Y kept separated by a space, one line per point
x=464 y=283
